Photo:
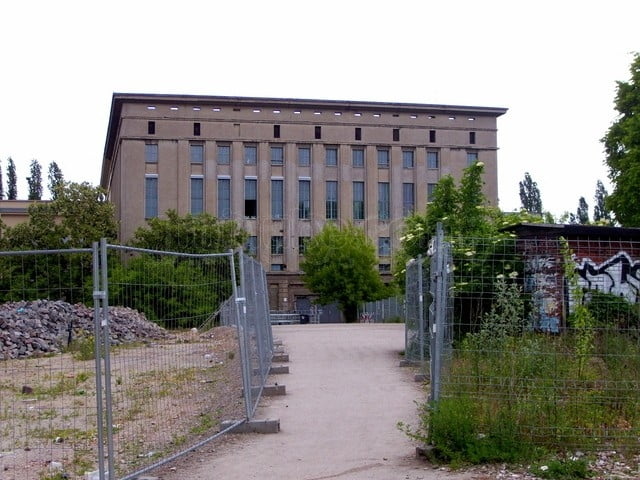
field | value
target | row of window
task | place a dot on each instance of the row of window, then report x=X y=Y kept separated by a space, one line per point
x=317 y=132
x=277 y=198
x=277 y=245
x=223 y=156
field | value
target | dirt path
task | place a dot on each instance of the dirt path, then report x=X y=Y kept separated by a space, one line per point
x=345 y=395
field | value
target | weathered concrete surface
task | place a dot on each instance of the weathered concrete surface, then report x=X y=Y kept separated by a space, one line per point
x=345 y=395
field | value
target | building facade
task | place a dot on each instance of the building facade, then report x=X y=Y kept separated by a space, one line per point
x=282 y=168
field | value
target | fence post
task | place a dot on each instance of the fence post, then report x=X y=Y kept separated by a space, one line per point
x=437 y=324
x=98 y=316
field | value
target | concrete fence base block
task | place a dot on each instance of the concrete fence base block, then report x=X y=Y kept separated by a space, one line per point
x=280 y=358
x=277 y=342
x=274 y=390
x=278 y=350
x=254 y=426
x=278 y=369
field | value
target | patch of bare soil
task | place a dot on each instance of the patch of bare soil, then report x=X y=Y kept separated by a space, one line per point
x=166 y=396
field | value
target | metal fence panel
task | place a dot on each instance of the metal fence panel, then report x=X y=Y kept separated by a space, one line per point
x=118 y=390
x=416 y=333
x=390 y=309
x=546 y=338
x=48 y=417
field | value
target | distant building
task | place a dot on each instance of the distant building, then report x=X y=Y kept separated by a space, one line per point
x=282 y=167
x=13 y=212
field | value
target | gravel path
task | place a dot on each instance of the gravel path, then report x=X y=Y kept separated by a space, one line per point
x=345 y=395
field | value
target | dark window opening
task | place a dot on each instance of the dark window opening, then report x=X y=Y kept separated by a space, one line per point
x=396 y=134
x=196 y=129
x=318 y=133
x=250 y=208
x=358 y=133
x=472 y=138
x=276 y=131
x=151 y=128
x=432 y=136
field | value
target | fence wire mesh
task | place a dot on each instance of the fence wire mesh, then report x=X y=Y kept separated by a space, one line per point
x=546 y=339
x=47 y=377
x=390 y=309
x=417 y=297
x=169 y=366
x=257 y=338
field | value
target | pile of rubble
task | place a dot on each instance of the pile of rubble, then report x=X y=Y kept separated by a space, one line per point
x=44 y=326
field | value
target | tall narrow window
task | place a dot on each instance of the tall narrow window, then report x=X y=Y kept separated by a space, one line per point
x=150 y=197
x=196 y=129
x=224 y=154
x=331 y=156
x=151 y=152
x=384 y=246
x=277 y=245
x=277 y=199
x=383 y=158
x=383 y=200
x=407 y=158
x=432 y=136
x=358 y=133
x=472 y=158
x=304 y=156
x=302 y=245
x=304 y=199
x=250 y=154
x=224 y=198
x=151 y=128
x=251 y=247
x=277 y=155
x=197 y=195
x=432 y=160
x=431 y=189
x=396 y=134
x=357 y=157
x=331 y=200
x=408 y=199
x=358 y=200
x=276 y=131
x=318 y=133
x=472 y=138
x=250 y=197
x=197 y=153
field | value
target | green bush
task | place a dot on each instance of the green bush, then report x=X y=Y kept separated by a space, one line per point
x=610 y=310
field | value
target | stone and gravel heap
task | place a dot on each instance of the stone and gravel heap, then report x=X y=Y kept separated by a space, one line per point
x=44 y=326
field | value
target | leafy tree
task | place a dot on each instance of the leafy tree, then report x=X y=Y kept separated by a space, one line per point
x=1 y=185
x=177 y=291
x=340 y=266
x=56 y=179
x=12 y=180
x=35 y=181
x=582 y=214
x=530 y=195
x=622 y=149
x=200 y=233
x=79 y=216
x=601 y=212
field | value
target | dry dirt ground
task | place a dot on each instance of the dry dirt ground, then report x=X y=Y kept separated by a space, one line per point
x=167 y=395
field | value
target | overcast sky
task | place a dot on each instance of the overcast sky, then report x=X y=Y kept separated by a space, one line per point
x=553 y=64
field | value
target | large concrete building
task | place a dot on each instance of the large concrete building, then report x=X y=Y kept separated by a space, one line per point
x=281 y=168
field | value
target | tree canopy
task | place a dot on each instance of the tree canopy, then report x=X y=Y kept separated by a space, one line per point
x=601 y=213
x=79 y=216
x=200 y=233
x=55 y=179
x=340 y=266
x=530 y=195
x=34 y=180
x=12 y=180
x=622 y=149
